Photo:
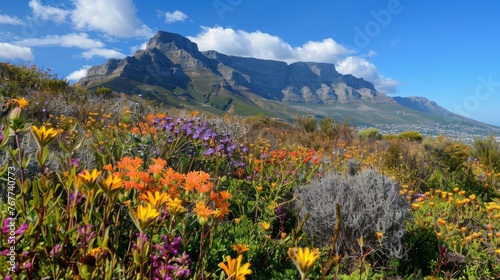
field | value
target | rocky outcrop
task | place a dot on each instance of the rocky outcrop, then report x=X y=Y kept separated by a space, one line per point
x=421 y=104
x=173 y=61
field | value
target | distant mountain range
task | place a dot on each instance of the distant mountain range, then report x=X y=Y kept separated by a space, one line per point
x=172 y=70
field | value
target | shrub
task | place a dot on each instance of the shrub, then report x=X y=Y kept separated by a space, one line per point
x=370 y=134
x=487 y=151
x=371 y=207
x=307 y=123
x=410 y=136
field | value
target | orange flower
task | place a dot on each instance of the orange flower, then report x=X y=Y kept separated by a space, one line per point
x=240 y=248
x=265 y=225
x=202 y=212
x=158 y=166
x=197 y=180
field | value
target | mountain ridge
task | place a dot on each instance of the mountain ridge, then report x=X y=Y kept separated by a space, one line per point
x=171 y=69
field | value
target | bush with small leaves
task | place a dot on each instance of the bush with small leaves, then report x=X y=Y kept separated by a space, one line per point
x=371 y=205
x=370 y=134
x=411 y=136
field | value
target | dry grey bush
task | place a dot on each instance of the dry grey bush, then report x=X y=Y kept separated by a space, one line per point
x=369 y=201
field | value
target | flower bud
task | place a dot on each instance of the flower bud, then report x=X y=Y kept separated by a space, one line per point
x=15 y=114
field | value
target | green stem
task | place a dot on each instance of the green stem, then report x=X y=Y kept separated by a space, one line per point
x=21 y=167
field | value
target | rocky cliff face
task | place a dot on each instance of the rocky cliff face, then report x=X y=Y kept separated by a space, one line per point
x=172 y=61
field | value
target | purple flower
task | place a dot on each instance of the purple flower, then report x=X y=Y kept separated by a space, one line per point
x=9 y=226
x=85 y=233
x=76 y=196
x=75 y=162
x=55 y=251
x=209 y=152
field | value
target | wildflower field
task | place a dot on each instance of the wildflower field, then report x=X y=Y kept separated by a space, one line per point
x=99 y=185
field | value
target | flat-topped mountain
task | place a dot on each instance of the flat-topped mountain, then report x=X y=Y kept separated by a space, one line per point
x=172 y=70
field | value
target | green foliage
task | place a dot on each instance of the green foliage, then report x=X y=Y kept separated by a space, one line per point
x=103 y=92
x=68 y=227
x=410 y=136
x=307 y=123
x=422 y=252
x=487 y=150
x=370 y=134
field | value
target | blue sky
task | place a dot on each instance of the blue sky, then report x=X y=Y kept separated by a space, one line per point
x=447 y=51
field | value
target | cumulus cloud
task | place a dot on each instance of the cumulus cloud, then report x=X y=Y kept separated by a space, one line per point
x=114 y=17
x=242 y=43
x=92 y=47
x=266 y=46
x=48 y=12
x=78 y=74
x=106 y=53
x=73 y=40
x=12 y=52
x=5 y=19
x=360 y=67
x=142 y=46
x=175 y=16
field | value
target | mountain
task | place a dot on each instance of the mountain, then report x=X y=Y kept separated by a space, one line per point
x=172 y=70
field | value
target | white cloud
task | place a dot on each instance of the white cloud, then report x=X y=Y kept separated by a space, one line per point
x=5 y=19
x=78 y=74
x=106 y=53
x=113 y=17
x=12 y=52
x=175 y=16
x=265 y=46
x=48 y=12
x=361 y=68
x=140 y=47
x=325 y=51
x=238 y=42
x=73 y=40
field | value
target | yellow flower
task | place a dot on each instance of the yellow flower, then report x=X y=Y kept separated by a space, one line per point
x=240 y=248
x=175 y=207
x=21 y=102
x=265 y=225
x=89 y=178
x=111 y=183
x=380 y=235
x=43 y=135
x=156 y=199
x=415 y=206
x=303 y=259
x=234 y=270
x=144 y=216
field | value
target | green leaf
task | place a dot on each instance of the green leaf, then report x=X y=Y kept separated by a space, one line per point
x=13 y=157
x=36 y=194
x=98 y=216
